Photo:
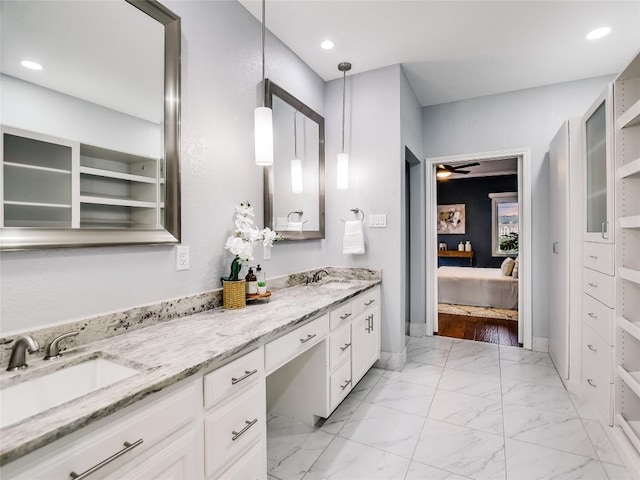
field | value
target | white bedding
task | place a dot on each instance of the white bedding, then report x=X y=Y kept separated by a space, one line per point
x=480 y=287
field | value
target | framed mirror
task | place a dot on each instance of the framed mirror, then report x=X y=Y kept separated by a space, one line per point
x=89 y=127
x=294 y=184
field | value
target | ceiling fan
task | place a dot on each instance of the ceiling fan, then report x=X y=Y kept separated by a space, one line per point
x=443 y=171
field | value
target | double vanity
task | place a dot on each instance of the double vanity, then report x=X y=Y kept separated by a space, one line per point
x=189 y=398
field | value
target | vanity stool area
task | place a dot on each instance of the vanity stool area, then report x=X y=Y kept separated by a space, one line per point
x=206 y=418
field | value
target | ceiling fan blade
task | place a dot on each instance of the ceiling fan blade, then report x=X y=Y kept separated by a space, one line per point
x=474 y=164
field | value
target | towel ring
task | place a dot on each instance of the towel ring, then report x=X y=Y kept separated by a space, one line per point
x=298 y=212
x=356 y=211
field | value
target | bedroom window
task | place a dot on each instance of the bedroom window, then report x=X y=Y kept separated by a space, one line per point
x=505 y=221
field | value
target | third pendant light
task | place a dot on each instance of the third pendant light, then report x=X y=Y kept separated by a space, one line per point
x=343 y=157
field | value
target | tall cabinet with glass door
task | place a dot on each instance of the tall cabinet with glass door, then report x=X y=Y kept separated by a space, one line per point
x=598 y=255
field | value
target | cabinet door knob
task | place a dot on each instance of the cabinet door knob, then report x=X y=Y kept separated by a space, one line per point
x=605 y=230
x=366 y=304
x=309 y=337
x=346 y=384
x=127 y=448
x=592 y=285
x=249 y=423
x=346 y=315
x=595 y=257
x=247 y=374
x=590 y=347
x=592 y=315
x=591 y=383
x=346 y=345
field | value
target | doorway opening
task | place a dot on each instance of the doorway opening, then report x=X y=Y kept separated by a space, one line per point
x=471 y=289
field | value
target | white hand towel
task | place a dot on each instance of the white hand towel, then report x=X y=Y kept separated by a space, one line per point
x=353 y=241
x=295 y=226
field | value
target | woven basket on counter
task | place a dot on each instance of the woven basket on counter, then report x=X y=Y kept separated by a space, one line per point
x=234 y=294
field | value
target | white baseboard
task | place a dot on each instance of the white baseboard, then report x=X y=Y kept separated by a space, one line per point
x=417 y=329
x=540 y=344
x=392 y=361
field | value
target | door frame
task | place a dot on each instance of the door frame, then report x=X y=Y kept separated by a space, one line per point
x=523 y=155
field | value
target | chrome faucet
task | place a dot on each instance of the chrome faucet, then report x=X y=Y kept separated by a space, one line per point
x=318 y=275
x=18 y=356
x=53 y=349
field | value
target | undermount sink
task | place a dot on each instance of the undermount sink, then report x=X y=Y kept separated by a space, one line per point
x=35 y=395
x=337 y=285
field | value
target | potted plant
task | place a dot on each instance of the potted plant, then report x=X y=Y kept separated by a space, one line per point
x=241 y=244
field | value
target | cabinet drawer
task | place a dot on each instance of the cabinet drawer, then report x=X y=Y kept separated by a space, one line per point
x=251 y=466
x=599 y=256
x=599 y=317
x=151 y=423
x=233 y=378
x=339 y=345
x=340 y=314
x=231 y=430
x=368 y=299
x=596 y=371
x=341 y=384
x=599 y=286
x=283 y=349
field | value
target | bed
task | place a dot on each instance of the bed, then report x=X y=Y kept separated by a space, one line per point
x=480 y=287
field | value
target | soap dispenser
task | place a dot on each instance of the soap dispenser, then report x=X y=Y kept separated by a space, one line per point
x=252 y=282
x=262 y=281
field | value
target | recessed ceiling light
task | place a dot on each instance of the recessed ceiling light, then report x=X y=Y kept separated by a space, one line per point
x=327 y=45
x=598 y=33
x=31 y=65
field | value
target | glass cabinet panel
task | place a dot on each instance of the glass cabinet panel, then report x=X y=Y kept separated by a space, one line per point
x=596 y=143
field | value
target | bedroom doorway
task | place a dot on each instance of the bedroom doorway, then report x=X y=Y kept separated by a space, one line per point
x=490 y=306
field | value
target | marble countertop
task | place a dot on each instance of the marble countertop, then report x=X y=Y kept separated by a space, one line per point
x=166 y=353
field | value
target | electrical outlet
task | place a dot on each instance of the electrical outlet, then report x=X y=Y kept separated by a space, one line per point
x=182 y=257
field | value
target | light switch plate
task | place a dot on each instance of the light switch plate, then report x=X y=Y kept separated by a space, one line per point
x=182 y=257
x=378 y=220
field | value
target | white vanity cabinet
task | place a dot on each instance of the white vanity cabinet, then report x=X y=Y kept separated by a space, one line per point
x=157 y=438
x=365 y=333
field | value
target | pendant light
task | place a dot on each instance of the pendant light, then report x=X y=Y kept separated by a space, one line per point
x=263 y=117
x=343 y=157
x=296 y=163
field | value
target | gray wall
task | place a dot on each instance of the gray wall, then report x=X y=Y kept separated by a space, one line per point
x=525 y=118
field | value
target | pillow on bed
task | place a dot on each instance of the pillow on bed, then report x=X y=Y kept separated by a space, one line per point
x=514 y=272
x=507 y=266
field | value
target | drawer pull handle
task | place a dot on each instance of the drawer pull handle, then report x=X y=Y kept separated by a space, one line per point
x=590 y=347
x=127 y=447
x=366 y=304
x=595 y=257
x=592 y=315
x=249 y=424
x=309 y=337
x=345 y=316
x=593 y=285
x=591 y=384
x=247 y=374
x=346 y=384
x=346 y=345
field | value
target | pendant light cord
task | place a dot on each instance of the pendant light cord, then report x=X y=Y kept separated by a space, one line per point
x=295 y=135
x=264 y=93
x=344 y=88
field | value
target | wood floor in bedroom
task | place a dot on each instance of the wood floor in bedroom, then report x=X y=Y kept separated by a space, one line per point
x=481 y=329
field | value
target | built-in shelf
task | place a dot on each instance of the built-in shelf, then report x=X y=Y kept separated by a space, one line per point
x=37 y=223
x=36 y=204
x=631 y=430
x=116 y=201
x=37 y=167
x=632 y=379
x=629 y=274
x=117 y=175
x=632 y=328
x=631 y=117
x=630 y=169
x=632 y=221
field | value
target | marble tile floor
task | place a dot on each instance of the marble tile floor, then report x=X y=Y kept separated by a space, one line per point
x=459 y=410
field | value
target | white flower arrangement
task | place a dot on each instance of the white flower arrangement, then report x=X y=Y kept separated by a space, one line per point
x=245 y=236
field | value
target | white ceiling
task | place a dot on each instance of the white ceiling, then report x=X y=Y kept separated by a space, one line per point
x=452 y=50
x=105 y=52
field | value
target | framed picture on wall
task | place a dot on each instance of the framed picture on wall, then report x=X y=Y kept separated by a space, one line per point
x=451 y=219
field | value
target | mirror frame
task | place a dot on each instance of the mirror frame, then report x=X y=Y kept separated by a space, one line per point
x=272 y=89
x=26 y=238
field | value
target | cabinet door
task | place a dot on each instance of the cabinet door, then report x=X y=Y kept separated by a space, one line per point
x=178 y=460
x=598 y=156
x=374 y=336
x=360 y=346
